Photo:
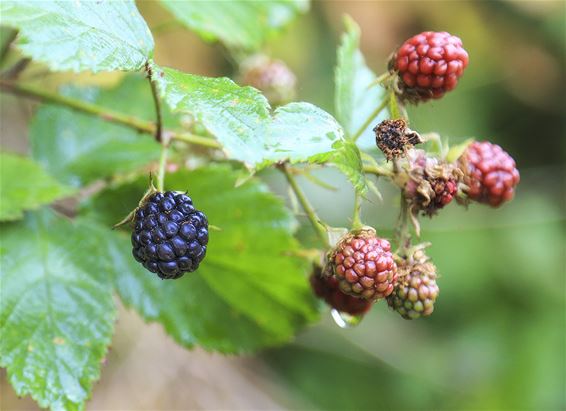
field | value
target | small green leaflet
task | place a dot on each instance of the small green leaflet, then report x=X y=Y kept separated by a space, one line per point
x=81 y=35
x=240 y=119
x=239 y=24
x=79 y=148
x=251 y=290
x=355 y=99
x=56 y=309
x=24 y=185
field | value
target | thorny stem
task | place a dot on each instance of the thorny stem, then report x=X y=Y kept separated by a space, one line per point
x=371 y=118
x=162 y=165
x=157 y=102
x=104 y=113
x=306 y=205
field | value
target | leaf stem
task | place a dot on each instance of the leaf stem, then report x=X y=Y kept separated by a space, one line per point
x=306 y=205
x=104 y=113
x=162 y=166
x=371 y=118
x=157 y=103
x=356 y=220
x=378 y=170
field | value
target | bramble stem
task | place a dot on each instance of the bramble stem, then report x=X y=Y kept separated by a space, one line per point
x=378 y=171
x=104 y=113
x=157 y=102
x=371 y=118
x=162 y=165
x=306 y=205
x=356 y=220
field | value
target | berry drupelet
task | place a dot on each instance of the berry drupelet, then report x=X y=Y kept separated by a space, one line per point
x=490 y=173
x=170 y=235
x=429 y=64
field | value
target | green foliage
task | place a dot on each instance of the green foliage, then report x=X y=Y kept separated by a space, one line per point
x=250 y=291
x=79 y=148
x=356 y=95
x=78 y=36
x=25 y=186
x=239 y=24
x=240 y=119
x=57 y=312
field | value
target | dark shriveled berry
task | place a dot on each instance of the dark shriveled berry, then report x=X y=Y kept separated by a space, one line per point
x=363 y=265
x=490 y=173
x=170 y=235
x=327 y=289
x=394 y=138
x=429 y=64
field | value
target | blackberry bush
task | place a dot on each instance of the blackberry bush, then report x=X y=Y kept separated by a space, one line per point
x=170 y=235
x=93 y=148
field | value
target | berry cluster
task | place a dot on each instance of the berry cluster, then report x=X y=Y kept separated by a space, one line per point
x=490 y=173
x=170 y=235
x=429 y=64
x=363 y=265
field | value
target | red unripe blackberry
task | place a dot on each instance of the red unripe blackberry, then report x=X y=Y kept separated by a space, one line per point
x=272 y=77
x=416 y=290
x=363 y=265
x=490 y=174
x=429 y=64
x=327 y=289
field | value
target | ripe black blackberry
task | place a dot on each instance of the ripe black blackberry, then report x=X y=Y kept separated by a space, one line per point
x=170 y=235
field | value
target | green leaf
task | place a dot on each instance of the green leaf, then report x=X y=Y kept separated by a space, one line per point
x=78 y=148
x=56 y=310
x=81 y=35
x=355 y=96
x=24 y=185
x=239 y=24
x=240 y=119
x=250 y=291
x=347 y=158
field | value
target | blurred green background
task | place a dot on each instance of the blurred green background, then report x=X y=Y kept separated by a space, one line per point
x=496 y=340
